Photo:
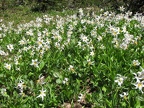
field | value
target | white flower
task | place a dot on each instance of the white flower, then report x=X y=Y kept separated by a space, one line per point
x=84 y=38
x=42 y=94
x=129 y=13
x=79 y=44
x=1 y=20
x=139 y=85
x=102 y=47
x=120 y=79
x=115 y=31
x=71 y=68
x=20 y=85
x=101 y=10
x=136 y=77
x=65 y=80
x=99 y=38
x=57 y=44
x=16 y=62
x=81 y=98
x=90 y=62
x=106 y=13
x=3 y=53
x=38 y=19
x=139 y=75
x=92 y=53
x=18 y=68
x=121 y=9
x=10 y=47
x=7 y=66
x=23 y=41
x=136 y=63
x=123 y=46
x=35 y=63
x=81 y=11
x=124 y=95
x=41 y=80
x=30 y=32
x=25 y=49
x=124 y=29
x=40 y=42
x=3 y=92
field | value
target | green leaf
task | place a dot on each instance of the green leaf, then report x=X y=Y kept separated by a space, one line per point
x=104 y=89
x=41 y=65
x=140 y=98
x=1 y=75
x=123 y=104
x=56 y=74
x=58 y=81
x=138 y=104
x=30 y=74
x=109 y=103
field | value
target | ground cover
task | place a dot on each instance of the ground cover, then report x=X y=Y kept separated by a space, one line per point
x=79 y=60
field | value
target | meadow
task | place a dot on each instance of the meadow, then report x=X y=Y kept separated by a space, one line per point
x=83 y=60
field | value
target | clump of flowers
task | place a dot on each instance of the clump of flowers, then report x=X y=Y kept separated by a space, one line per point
x=139 y=76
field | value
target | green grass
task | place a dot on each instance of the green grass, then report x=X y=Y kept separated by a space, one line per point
x=65 y=59
x=23 y=14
